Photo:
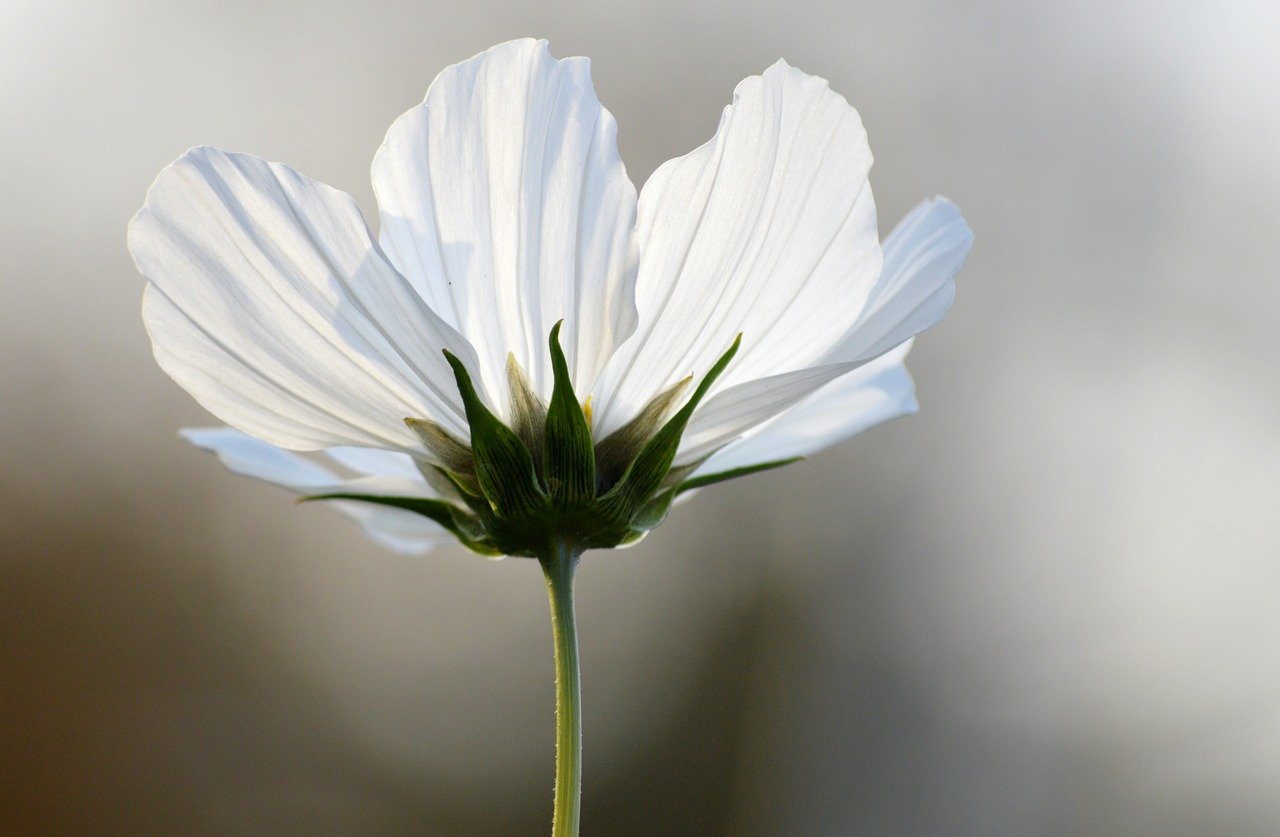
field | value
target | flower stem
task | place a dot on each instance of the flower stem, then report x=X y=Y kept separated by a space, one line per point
x=557 y=568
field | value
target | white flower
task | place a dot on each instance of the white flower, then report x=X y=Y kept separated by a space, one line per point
x=505 y=209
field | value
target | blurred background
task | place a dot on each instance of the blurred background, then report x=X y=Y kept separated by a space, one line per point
x=1048 y=604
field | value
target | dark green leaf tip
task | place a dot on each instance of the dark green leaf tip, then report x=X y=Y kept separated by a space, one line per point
x=568 y=453
x=463 y=380
x=504 y=465
x=711 y=376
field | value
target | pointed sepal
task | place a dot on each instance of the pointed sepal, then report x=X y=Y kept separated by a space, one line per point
x=503 y=464
x=568 y=456
x=528 y=413
x=543 y=482
x=645 y=475
x=616 y=451
x=449 y=452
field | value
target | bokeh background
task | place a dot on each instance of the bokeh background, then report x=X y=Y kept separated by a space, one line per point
x=1048 y=604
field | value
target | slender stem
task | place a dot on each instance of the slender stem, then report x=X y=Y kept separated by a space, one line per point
x=558 y=568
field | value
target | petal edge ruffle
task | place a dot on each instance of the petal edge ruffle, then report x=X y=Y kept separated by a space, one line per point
x=768 y=229
x=504 y=201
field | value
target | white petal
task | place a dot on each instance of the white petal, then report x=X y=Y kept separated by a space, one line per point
x=916 y=287
x=270 y=303
x=769 y=229
x=389 y=486
x=734 y=411
x=372 y=462
x=922 y=256
x=856 y=401
x=250 y=457
x=504 y=201
x=396 y=529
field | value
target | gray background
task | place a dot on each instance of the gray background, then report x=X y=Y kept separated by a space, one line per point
x=1050 y=603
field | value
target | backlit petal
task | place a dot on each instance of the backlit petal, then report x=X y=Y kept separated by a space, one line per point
x=400 y=530
x=371 y=462
x=922 y=256
x=856 y=401
x=505 y=203
x=769 y=229
x=249 y=457
x=270 y=303
x=734 y=411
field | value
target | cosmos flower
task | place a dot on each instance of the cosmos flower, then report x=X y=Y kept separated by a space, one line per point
x=526 y=350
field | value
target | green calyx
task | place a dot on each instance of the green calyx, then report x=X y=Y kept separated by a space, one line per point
x=526 y=489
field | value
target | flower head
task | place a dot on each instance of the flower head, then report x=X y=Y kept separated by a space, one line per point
x=527 y=351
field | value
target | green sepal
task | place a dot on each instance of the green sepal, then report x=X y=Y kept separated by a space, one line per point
x=444 y=486
x=568 y=457
x=616 y=451
x=452 y=454
x=646 y=472
x=468 y=531
x=678 y=472
x=732 y=474
x=528 y=413
x=448 y=449
x=504 y=466
x=632 y=537
x=543 y=484
x=654 y=512
x=468 y=492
